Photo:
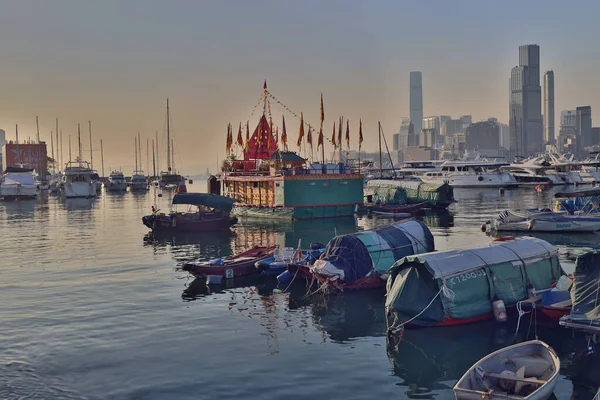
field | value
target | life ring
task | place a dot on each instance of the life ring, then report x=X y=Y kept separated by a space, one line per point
x=503 y=238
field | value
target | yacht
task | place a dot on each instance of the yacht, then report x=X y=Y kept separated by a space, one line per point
x=590 y=168
x=77 y=181
x=96 y=181
x=567 y=170
x=116 y=182
x=139 y=181
x=169 y=180
x=413 y=170
x=471 y=174
x=18 y=184
x=533 y=173
x=55 y=182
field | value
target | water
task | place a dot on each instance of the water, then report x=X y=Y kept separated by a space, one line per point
x=90 y=308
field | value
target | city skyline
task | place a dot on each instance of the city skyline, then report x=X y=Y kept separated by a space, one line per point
x=116 y=63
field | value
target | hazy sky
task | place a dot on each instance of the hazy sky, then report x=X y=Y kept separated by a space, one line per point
x=114 y=62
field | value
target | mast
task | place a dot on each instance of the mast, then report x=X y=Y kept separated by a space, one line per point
x=52 y=147
x=139 y=142
x=157 y=161
x=172 y=156
x=37 y=125
x=380 y=158
x=168 y=139
x=91 y=154
x=136 y=153
x=18 y=148
x=59 y=164
x=70 y=148
x=153 y=160
x=62 y=160
x=79 y=140
x=102 y=157
x=147 y=155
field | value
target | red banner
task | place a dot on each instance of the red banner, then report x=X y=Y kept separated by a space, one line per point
x=26 y=155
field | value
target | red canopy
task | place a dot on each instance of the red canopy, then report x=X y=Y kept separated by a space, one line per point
x=262 y=144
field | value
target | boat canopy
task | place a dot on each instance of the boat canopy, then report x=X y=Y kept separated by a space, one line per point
x=357 y=255
x=18 y=178
x=578 y=193
x=415 y=191
x=17 y=170
x=585 y=293
x=205 y=199
x=462 y=284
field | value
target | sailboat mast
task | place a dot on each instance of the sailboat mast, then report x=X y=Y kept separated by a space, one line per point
x=62 y=159
x=91 y=153
x=380 y=157
x=102 y=157
x=172 y=155
x=79 y=140
x=153 y=160
x=57 y=153
x=147 y=155
x=168 y=138
x=136 y=153
x=70 y=148
x=157 y=159
x=18 y=149
x=139 y=141
x=52 y=149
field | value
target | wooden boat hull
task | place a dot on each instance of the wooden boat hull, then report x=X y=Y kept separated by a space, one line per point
x=238 y=265
x=540 y=365
x=554 y=314
x=166 y=223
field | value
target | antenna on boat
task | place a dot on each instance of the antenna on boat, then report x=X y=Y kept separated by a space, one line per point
x=102 y=157
x=91 y=153
x=168 y=139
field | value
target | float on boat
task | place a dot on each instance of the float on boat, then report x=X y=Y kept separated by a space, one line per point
x=466 y=285
x=213 y=214
x=360 y=260
x=585 y=296
x=523 y=371
x=268 y=181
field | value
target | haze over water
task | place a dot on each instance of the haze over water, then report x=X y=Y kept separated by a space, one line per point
x=90 y=309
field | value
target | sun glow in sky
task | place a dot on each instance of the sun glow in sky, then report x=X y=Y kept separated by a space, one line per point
x=115 y=62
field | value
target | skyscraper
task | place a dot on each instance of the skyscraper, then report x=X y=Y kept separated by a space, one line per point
x=549 y=107
x=584 y=128
x=525 y=104
x=416 y=102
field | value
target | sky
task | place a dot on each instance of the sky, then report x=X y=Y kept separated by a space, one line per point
x=114 y=62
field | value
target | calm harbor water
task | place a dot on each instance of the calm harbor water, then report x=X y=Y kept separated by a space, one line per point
x=91 y=307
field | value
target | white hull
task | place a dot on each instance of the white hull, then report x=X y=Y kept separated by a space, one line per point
x=18 y=191
x=545 y=222
x=75 y=190
x=490 y=180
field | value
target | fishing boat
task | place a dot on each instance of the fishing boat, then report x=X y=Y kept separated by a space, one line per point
x=116 y=182
x=523 y=371
x=467 y=285
x=392 y=191
x=360 y=260
x=585 y=296
x=233 y=266
x=542 y=220
x=77 y=180
x=471 y=174
x=282 y=257
x=18 y=184
x=270 y=182
x=213 y=214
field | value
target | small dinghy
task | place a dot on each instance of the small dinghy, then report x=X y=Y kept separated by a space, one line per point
x=279 y=261
x=524 y=371
x=236 y=265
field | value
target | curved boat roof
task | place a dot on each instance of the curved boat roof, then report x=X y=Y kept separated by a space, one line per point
x=205 y=199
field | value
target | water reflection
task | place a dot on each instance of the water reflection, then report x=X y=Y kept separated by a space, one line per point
x=79 y=204
x=192 y=246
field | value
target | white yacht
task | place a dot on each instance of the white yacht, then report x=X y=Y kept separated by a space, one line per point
x=116 y=182
x=471 y=174
x=55 y=182
x=18 y=184
x=590 y=168
x=533 y=172
x=138 y=181
x=96 y=181
x=77 y=181
x=567 y=170
x=413 y=170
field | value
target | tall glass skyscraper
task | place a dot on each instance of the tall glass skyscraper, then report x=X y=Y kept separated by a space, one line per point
x=416 y=101
x=549 y=107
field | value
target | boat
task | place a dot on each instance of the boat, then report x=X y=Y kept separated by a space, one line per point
x=170 y=179
x=138 y=181
x=597 y=395
x=390 y=191
x=18 y=184
x=55 y=183
x=590 y=168
x=543 y=220
x=471 y=174
x=532 y=173
x=279 y=261
x=523 y=371
x=96 y=181
x=583 y=202
x=360 y=260
x=270 y=182
x=213 y=214
x=585 y=296
x=241 y=264
x=116 y=182
x=77 y=180
x=460 y=286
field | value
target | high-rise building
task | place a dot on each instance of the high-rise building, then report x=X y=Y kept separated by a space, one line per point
x=432 y=125
x=483 y=135
x=567 y=136
x=396 y=141
x=549 y=107
x=416 y=101
x=525 y=104
x=504 y=136
x=584 y=128
x=407 y=134
x=443 y=119
x=466 y=121
x=2 y=143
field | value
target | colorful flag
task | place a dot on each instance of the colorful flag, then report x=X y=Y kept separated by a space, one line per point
x=301 y=131
x=284 y=134
x=322 y=110
x=277 y=135
x=320 y=140
x=247 y=135
x=360 y=136
x=309 y=137
x=339 y=138
x=348 y=134
x=229 y=139
x=240 y=140
x=333 y=137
